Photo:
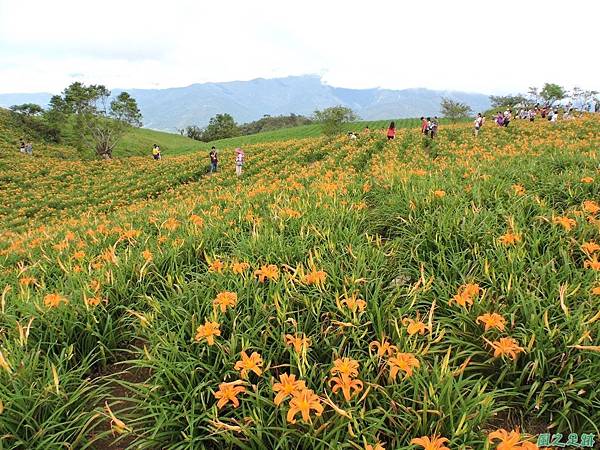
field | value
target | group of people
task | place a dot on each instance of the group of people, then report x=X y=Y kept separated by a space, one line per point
x=239 y=160
x=429 y=128
x=156 y=152
x=26 y=147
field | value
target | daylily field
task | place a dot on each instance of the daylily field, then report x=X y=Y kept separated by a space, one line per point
x=339 y=295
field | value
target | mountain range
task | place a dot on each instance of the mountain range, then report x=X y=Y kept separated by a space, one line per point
x=175 y=108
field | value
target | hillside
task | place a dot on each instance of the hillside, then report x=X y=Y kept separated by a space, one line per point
x=338 y=293
x=176 y=108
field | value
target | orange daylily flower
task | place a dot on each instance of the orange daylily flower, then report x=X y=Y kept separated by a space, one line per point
x=466 y=294
x=54 y=300
x=431 y=443
x=345 y=366
x=239 y=267
x=590 y=247
x=402 y=361
x=508 y=440
x=596 y=290
x=303 y=402
x=225 y=299
x=353 y=303
x=506 y=346
x=492 y=320
x=592 y=263
x=208 y=331
x=526 y=445
x=267 y=272
x=347 y=385
x=299 y=343
x=518 y=189
x=439 y=193
x=287 y=386
x=591 y=207
x=252 y=363
x=196 y=220
x=171 y=224
x=383 y=348
x=587 y=180
x=509 y=239
x=147 y=255
x=216 y=266
x=27 y=281
x=414 y=326
x=228 y=392
x=565 y=222
x=377 y=446
x=314 y=277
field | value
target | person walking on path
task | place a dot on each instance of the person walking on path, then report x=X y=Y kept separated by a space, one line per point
x=391 y=132
x=239 y=161
x=214 y=159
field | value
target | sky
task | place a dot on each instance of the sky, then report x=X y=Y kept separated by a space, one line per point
x=493 y=47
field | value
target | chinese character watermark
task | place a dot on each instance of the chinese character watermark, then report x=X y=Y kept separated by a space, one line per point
x=585 y=440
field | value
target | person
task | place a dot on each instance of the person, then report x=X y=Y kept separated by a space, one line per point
x=353 y=136
x=156 y=152
x=554 y=116
x=478 y=124
x=239 y=161
x=507 y=117
x=214 y=159
x=367 y=130
x=434 y=127
x=544 y=112
x=22 y=146
x=499 y=119
x=29 y=148
x=424 y=125
x=531 y=115
x=391 y=132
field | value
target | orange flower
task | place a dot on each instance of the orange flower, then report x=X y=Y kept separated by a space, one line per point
x=353 y=303
x=287 y=386
x=225 y=299
x=252 y=363
x=526 y=445
x=591 y=207
x=300 y=344
x=303 y=402
x=147 y=255
x=439 y=193
x=509 y=239
x=347 y=385
x=239 y=267
x=518 y=189
x=345 y=366
x=196 y=220
x=506 y=346
x=592 y=263
x=228 y=392
x=315 y=277
x=431 y=443
x=404 y=362
x=171 y=224
x=493 y=320
x=508 y=440
x=54 y=300
x=267 y=272
x=414 y=326
x=596 y=290
x=587 y=180
x=94 y=301
x=383 y=348
x=117 y=425
x=79 y=255
x=208 y=331
x=95 y=285
x=378 y=446
x=466 y=293
x=27 y=281
x=590 y=247
x=216 y=266
x=565 y=222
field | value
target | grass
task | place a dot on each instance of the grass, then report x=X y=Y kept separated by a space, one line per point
x=351 y=245
x=139 y=142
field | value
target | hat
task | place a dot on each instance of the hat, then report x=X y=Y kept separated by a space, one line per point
x=239 y=150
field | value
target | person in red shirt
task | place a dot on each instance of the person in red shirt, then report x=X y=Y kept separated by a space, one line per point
x=423 y=125
x=391 y=132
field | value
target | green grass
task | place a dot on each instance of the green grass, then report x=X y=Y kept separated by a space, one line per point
x=139 y=142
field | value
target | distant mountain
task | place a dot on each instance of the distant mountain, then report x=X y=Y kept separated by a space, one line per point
x=170 y=109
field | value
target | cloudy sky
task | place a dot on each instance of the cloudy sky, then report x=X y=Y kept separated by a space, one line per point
x=476 y=46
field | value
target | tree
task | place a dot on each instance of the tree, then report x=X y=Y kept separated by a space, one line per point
x=193 y=132
x=27 y=109
x=533 y=96
x=551 y=93
x=507 y=101
x=332 y=119
x=454 y=110
x=99 y=121
x=219 y=127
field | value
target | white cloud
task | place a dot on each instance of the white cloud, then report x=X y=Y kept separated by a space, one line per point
x=463 y=45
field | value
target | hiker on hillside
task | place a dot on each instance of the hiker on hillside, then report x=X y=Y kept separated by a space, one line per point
x=239 y=161
x=391 y=131
x=554 y=117
x=22 y=146
x=507 y=117
x=214 y=159
x=424 y=125
x=366 y=130
x=156 y=152
x=478 y=123
x=29 y=148
x=500 y=119
x=531 y=115
x=434 y=127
